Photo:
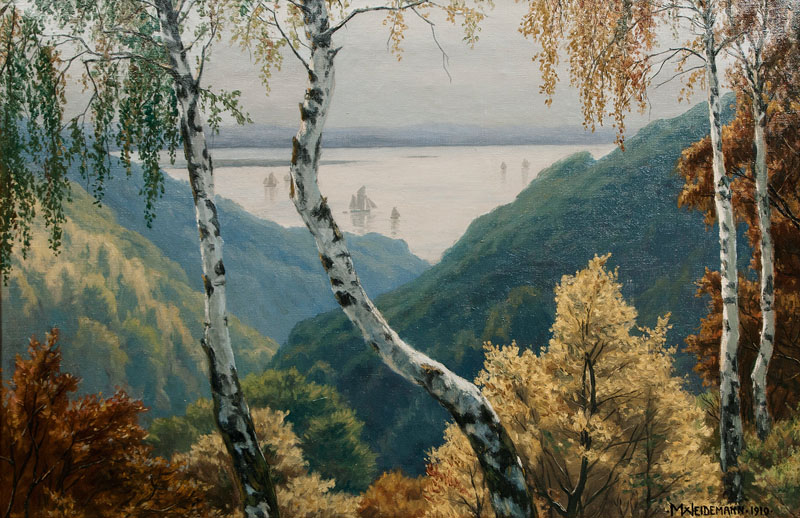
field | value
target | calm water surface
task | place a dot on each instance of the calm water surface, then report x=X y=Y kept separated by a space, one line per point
x=437 y=191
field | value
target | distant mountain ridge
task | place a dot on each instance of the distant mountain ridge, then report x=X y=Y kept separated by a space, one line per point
x=260 y=135
x=496 y=283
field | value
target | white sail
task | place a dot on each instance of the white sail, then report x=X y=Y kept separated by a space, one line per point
x=360 y=202
x=395 y=213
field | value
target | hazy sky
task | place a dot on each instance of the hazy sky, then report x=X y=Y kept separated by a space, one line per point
x=496 y=83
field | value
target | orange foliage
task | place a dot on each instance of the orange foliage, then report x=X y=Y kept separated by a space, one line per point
x=783 y=159
x=80 y=457
x=394 y=495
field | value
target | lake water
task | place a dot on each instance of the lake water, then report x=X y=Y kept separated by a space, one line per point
x=437 y=191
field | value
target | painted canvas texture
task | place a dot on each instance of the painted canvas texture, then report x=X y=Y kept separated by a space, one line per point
x=399 y=258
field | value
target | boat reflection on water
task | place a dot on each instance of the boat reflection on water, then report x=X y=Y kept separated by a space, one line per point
x=395 y=222
x=526 y=171
x=361 y=207
x=362 y=221
x=270 y=186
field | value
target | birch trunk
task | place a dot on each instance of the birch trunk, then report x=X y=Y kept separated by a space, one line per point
x=730 y=426
x=754 y=69
x=230 y=408
x=470 y=410
x=767 y=341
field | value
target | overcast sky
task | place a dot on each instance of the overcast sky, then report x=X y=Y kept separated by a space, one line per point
x=494 y=84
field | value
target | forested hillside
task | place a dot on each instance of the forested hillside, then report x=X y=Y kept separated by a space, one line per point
x=274 y=279
x=126 y=297
x=129 y=316
x=496 y=284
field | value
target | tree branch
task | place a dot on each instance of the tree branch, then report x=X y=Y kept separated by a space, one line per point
x=363 y=10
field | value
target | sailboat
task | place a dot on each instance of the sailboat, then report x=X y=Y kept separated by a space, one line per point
x=395 y=213
x=526 y=169
x=360 y=202
x=271 y=181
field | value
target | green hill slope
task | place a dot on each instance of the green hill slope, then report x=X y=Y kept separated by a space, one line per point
x=496 y=283
x=274 y=277
x=126 y=313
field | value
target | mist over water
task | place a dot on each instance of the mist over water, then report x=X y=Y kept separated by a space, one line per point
x=437 y=191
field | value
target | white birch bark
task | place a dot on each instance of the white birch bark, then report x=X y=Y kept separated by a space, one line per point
x=463 y=400
x=231 y=412
x=767 y=339
x=752 y=63
x=730 y=426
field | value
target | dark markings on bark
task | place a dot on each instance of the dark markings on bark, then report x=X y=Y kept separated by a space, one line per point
x=207 y=285
x=317 y=153
x=214 y=219
x=322 y=212
x=191 y=166
x=326 y=261
x=300 y=154
x=308 y=114
x=295 y=150
x=366 y=306
x=219 y=268
x=191 y=111
x=430 y=370
x=345 y=299
x=203 y=231
x=315 y=94
x=768 y=285
x=374 y=346
x=468 y=418
x=336 y=282
x=337 y=234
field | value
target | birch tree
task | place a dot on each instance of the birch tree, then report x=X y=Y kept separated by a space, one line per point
x=143 y=66
x=613 y=59
x=697 y=193
x=758 y=25
x=315 y=48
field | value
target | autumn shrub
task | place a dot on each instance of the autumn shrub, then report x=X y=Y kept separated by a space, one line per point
x=771 y=468
x=394 y=495
x=80 y=457
x=301 y=492
x=601 y=424
x=330 y=431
